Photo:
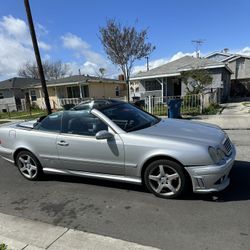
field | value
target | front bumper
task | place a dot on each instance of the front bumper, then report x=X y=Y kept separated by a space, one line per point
x=212 y=178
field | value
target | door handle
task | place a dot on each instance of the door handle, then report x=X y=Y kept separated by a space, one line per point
x=62 y=143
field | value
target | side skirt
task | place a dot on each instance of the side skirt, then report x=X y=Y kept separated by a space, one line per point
x=134 y=180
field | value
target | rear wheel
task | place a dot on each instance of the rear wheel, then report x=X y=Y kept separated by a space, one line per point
x=28 y=165
x=165 y=179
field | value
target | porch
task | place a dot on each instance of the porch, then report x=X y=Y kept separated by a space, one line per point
x=159 y=87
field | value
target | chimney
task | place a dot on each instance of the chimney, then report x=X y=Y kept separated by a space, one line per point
x=121 y=77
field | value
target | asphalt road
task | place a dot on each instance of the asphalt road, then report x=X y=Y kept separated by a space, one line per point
x=215 y=221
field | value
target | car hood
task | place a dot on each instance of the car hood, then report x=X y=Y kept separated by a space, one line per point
x=185 y=130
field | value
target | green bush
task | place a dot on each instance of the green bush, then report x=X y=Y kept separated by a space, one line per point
x=3 y=247
x=212 y=109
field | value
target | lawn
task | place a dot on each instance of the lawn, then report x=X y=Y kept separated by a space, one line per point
x=23 y=115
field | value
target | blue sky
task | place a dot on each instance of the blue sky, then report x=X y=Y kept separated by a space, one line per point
x=68 y=30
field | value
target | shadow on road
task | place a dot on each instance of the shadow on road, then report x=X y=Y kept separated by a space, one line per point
x=238 y=190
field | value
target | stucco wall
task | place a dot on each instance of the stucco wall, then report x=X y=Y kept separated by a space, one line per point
x=241 y=68
x=106 y=90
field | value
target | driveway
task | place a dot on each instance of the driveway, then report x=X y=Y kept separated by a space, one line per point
x=236 y=108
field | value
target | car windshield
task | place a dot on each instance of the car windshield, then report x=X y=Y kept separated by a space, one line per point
x=129 y=117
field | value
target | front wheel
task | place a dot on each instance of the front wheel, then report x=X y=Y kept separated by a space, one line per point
x=28 y=165
x=165 y=179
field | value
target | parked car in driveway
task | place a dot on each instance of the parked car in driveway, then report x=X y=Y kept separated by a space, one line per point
x=120 y=142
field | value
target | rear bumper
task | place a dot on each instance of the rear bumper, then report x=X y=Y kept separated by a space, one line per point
x=212 y=178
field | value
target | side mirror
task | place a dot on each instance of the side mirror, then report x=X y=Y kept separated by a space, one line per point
x=104 y=135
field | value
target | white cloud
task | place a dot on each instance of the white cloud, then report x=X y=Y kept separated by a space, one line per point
x=245 y=51
x=15 y=46
x=158 y=62
x=71 y=41
x=93 y=60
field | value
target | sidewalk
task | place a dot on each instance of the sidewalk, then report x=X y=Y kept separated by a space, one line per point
x=226 y=122
x=20 y=234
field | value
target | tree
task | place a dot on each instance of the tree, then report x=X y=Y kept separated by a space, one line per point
x=196 y=80
x=124 y=45
x=101 y=72
x=52 y=70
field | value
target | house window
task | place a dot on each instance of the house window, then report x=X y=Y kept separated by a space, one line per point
x=85 y=91
x=117 y=91
x=1 y=96
x=73 y=92
x=33 y=95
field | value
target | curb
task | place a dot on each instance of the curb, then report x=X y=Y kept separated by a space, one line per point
x=24 y=234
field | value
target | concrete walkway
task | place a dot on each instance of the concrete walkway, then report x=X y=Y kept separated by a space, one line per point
x=19 y=234
x=226 y=122
x=234 y=116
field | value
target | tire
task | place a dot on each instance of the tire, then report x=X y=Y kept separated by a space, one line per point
x=29 y=166
x=165 y=179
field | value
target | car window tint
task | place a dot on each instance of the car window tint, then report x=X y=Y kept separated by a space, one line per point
x=129 y=117
x=82 y=123
x=51 y=123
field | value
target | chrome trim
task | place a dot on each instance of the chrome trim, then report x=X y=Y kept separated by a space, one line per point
x=7 y=159
x=134 y=180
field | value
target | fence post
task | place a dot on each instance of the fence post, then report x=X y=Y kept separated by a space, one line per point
x=8 y=110
x=201 y=106
x=149 y=104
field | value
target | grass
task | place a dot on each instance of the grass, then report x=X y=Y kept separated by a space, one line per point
x=3 y=247
x=22 y=114
x=246 y=104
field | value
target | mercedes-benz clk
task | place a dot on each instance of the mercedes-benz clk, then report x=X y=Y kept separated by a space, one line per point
x=120 y=142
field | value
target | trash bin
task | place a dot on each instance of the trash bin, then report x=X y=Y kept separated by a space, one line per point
x=174 y=108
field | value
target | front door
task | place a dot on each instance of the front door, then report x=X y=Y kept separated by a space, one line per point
x=177 y=87
x=79 y=149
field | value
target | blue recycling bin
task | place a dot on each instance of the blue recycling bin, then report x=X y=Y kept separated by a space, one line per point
x=174 y=108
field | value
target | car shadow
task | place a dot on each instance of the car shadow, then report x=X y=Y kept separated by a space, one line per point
x=95 y=182
x=238 y=190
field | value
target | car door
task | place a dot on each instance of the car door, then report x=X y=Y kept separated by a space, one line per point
x=79 y=149
x=43 y=140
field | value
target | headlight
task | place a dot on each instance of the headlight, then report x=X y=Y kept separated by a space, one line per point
x=216 y=154
x=213 y=154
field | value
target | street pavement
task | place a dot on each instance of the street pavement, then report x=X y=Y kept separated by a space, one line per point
x=63 y=212
x=130 y=213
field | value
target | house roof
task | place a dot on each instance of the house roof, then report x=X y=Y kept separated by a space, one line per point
x=76 y=79
x=218 y=53
x=18 y=83
x=174 y=68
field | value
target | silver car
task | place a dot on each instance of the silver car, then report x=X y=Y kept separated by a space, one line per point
x=120 y=142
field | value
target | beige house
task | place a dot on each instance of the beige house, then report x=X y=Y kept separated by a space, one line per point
x=74 y=89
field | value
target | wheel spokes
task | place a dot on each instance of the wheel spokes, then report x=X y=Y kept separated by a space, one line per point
x=27 y=166
x=154 y=177
x=167 y=182
x=162 y=172
x=172 y=176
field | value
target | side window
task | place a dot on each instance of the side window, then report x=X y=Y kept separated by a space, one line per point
x=82 y=123
x=51 y=123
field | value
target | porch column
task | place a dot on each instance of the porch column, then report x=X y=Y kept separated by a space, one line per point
x=161 y=82
x=80 y=90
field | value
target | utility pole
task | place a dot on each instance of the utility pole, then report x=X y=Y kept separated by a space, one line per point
x=198 y=43
x=147 y=63
x=37 y=54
